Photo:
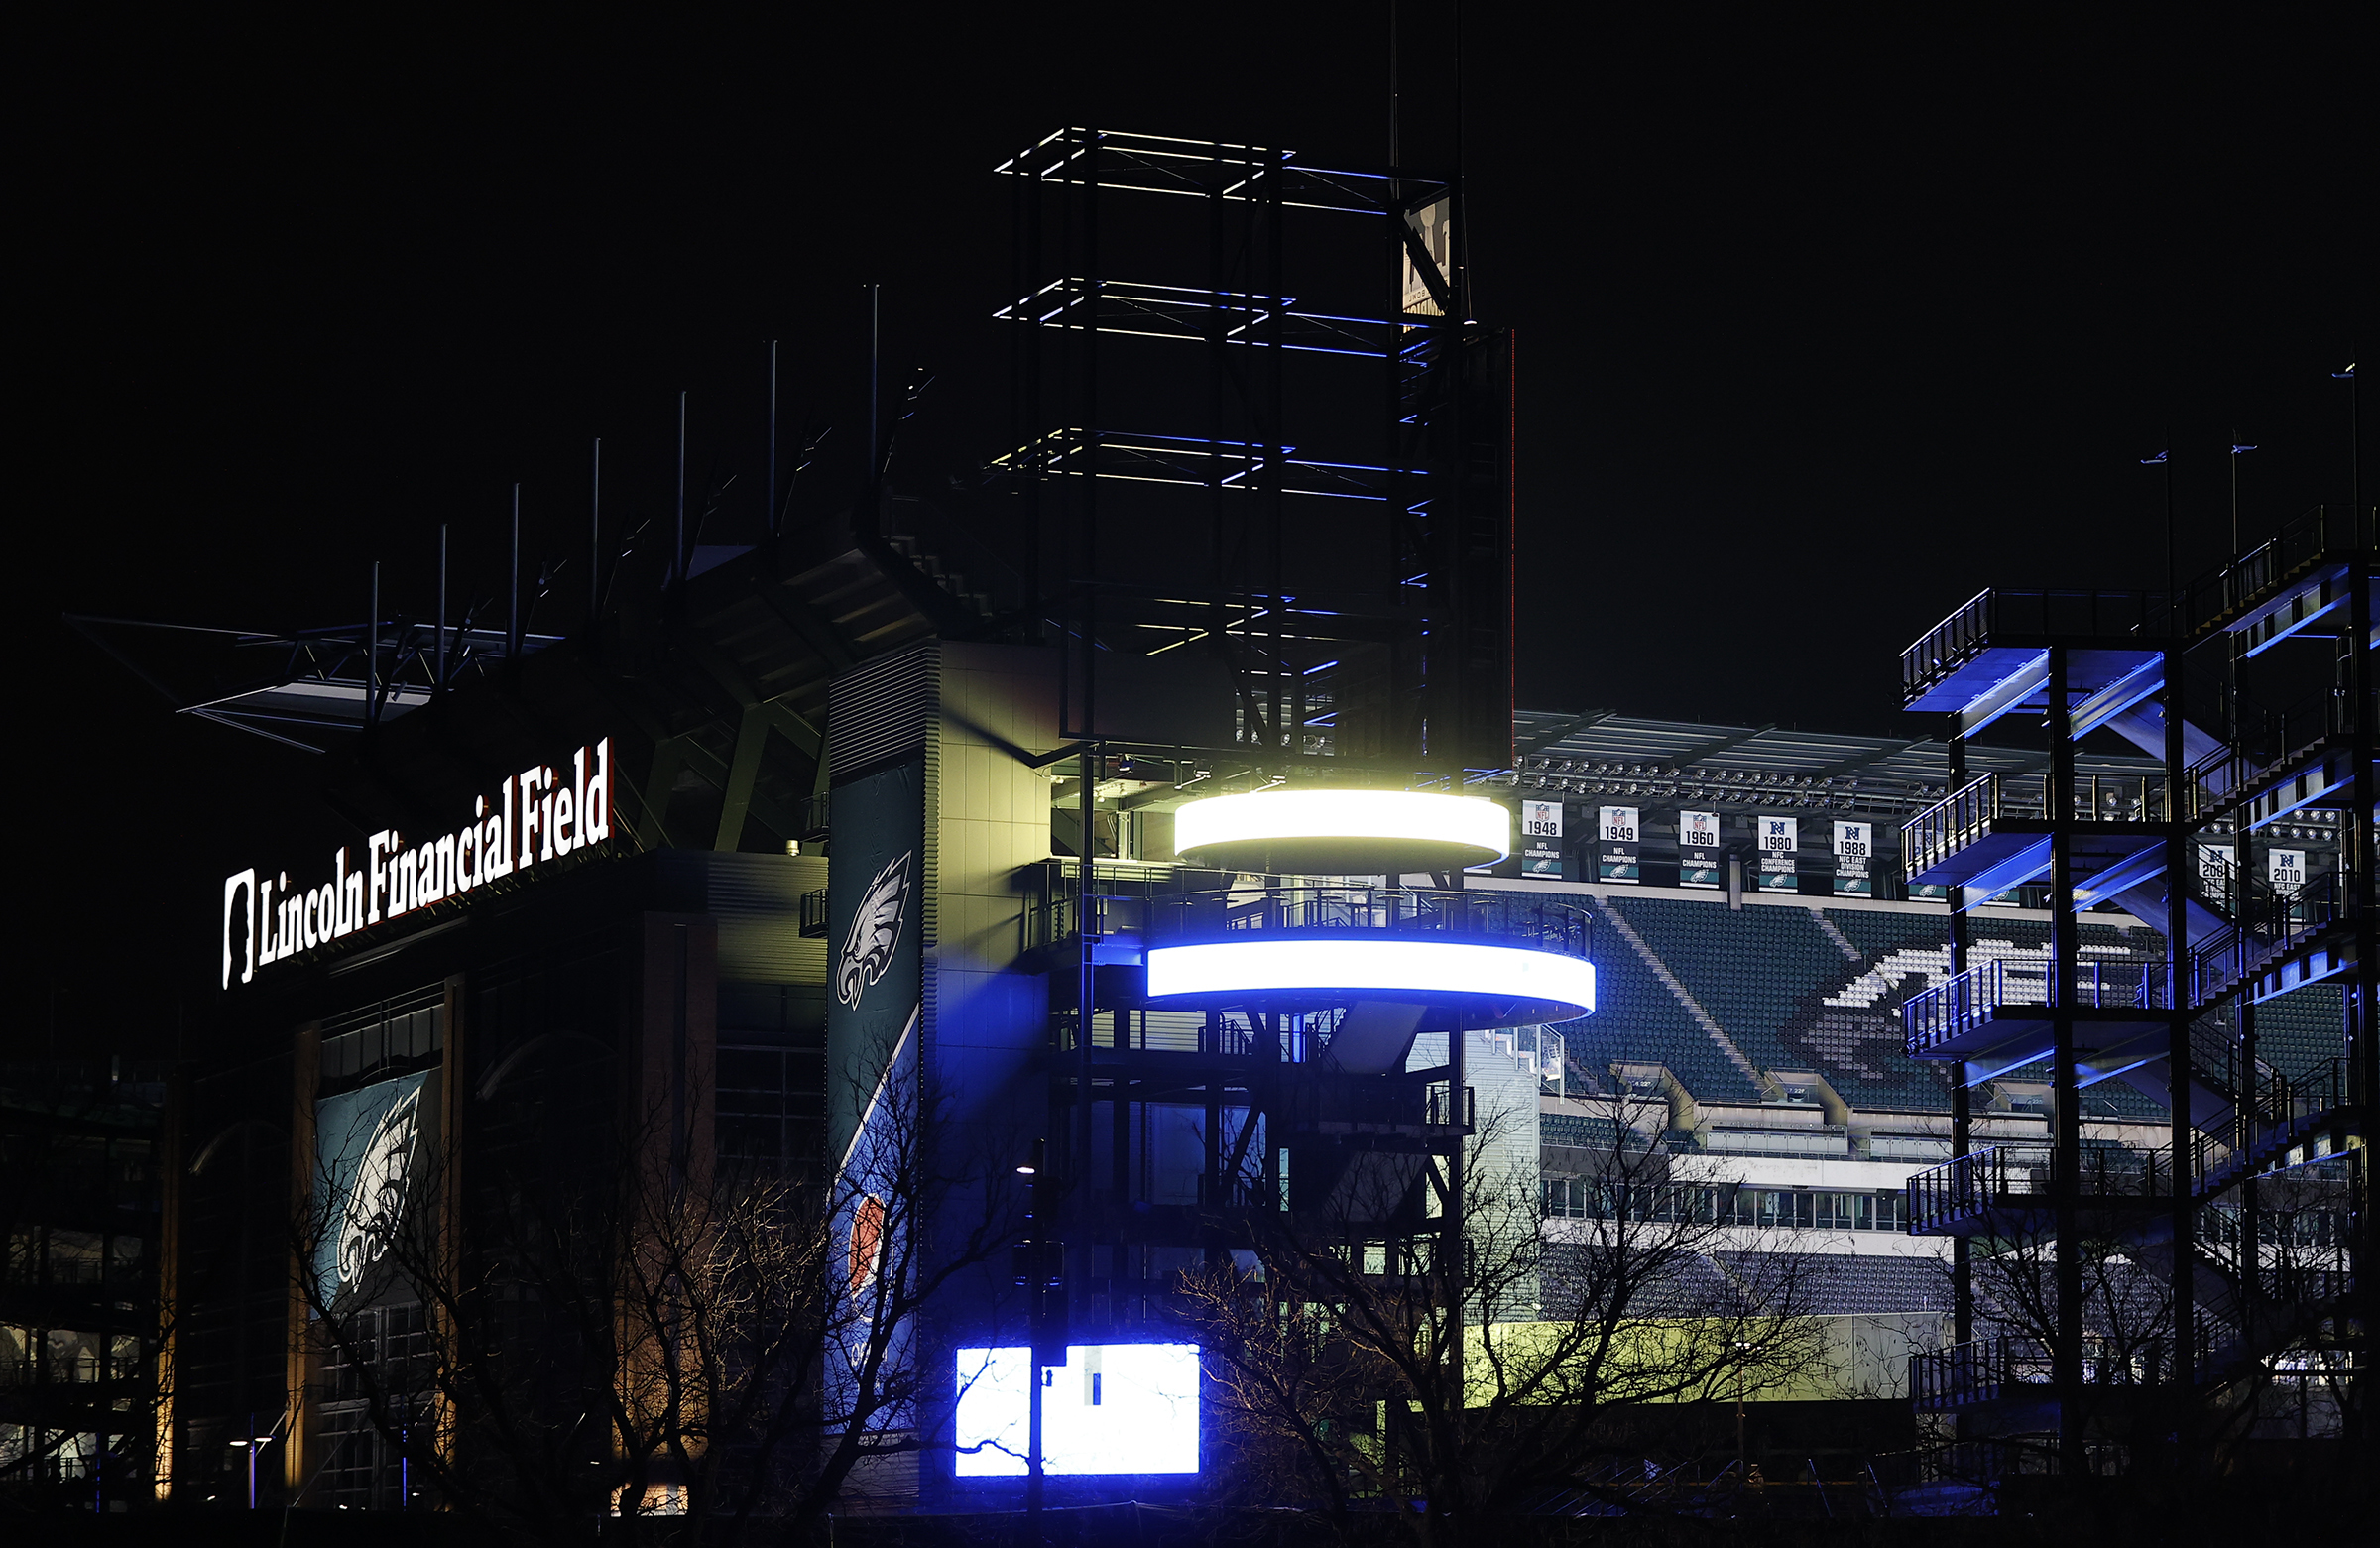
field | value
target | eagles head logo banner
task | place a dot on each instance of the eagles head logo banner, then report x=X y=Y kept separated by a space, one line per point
x=875 y=931
x=373 y=1150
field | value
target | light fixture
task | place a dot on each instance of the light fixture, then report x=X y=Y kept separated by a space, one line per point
x=1343 y=832
x=1524 y=985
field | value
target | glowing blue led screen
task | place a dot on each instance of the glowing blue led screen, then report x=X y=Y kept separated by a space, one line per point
x=1111 y=1408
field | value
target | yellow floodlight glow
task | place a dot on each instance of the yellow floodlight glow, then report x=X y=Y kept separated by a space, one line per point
x=1343 y=832
x=1556 y=987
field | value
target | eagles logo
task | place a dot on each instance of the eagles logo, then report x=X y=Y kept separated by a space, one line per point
x=376 y=1198
x=875 y=931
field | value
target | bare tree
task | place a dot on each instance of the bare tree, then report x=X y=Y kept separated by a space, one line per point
x=1360 y=1374
x=2262 y=1314
x=632 y=1329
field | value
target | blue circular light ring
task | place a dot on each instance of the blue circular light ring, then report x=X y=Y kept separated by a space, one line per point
x=1515 y=984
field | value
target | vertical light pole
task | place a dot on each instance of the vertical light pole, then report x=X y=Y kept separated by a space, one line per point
x=252 y=1444
x=1743 y=1466
x=1037 y=1277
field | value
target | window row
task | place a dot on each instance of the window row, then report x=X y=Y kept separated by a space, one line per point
x=1726 y=1204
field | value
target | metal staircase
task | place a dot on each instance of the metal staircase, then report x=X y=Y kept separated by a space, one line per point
x=2242 y=1132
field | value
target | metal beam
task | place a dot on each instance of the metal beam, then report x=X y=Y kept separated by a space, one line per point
x=1540 y=743
x=1852 y=764
x=2119 y=695
x=752 y=734
x=2011 y=693
x=811 y=626
x=1714 y=748
x=668 y=755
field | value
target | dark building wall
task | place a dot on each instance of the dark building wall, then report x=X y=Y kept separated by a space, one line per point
x=80 y=1151
x=563 y=1022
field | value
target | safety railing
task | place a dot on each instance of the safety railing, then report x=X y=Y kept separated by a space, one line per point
x=2268 y=922
x=1313 y=1098
x=1942 y=650
x=2265 y=741
x=1985 y=1371
x=2010 y=1176
x=2279 y=1110
x=1962 y=1000
x=2324 y=530
x=1151 y=908
x=1444 y=1106
x=1975 y=808
x=1204 y=1032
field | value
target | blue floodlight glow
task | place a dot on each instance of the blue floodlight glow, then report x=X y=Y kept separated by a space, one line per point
x=1111 y=1408
x=1402 y=966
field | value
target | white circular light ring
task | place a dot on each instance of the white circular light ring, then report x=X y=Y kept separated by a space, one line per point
x=1387 y=816
x=1402 y=968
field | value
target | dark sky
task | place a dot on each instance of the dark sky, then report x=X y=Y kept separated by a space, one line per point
x=1824 y=326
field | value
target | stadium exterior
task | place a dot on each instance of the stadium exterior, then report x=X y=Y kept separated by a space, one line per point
x=796 y=859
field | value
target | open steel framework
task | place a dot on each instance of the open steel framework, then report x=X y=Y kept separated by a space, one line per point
x=1392 y=645
x=2244 y=1296
x=1202 y=478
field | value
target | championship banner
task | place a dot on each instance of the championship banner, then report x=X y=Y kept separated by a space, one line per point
x=1616 y=845
x=1779 y=838
x=1700 y=859
x=1541 y=838
x=2214 y=873
x=1855 y=846
x=2285 y=869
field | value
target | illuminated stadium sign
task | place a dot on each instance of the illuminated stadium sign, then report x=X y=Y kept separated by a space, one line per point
x=540 y=813
x=1111 y=1408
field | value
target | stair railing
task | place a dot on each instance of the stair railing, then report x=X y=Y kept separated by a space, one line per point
x=1950 y=824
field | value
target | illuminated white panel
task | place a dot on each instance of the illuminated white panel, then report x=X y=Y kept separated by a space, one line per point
x=1111 y=1408
x=1402 y=965
x=1392 y=817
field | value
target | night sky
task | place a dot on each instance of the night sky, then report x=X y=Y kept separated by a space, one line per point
x=1821 y=329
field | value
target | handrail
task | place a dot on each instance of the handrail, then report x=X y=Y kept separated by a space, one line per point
x=2234 y=587
x=2267 y=920
x=1971 y=1185
x=1970 y=813
x=1941 y=649
x=1934 y=1016
x=2263 y=742
x=1981 y=1369
x=1530 y=920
